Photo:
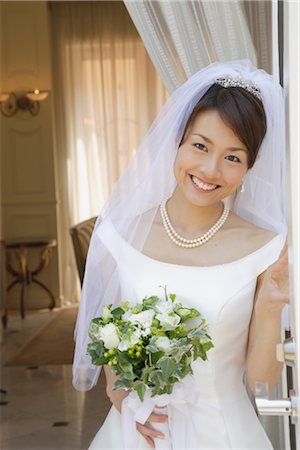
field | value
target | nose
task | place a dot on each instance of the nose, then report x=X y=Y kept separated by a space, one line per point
x=210 y=167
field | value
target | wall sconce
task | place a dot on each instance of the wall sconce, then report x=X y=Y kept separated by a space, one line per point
x=25 y=101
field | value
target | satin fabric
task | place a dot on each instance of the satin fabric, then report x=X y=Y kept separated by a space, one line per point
x=220 y=414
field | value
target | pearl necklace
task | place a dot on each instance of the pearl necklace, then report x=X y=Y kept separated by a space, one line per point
x=191 y=243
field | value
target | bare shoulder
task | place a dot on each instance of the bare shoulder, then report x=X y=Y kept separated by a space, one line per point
x=252 y=233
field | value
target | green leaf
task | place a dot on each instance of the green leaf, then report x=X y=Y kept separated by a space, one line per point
x=172 y=297
x=156 y=356
x=127 y=370
x=184 y=313
x=129 y=375
x=207 y=346
x=140 y=388
x=93 y=331
x=177 y=374
x=122 y=383
x=167 y=366
x=178 y=352
x=123 y=358
x=96 y=320
x=156 y=378
x=117 y=313
x=150 y=302
x=146 y=372
x=151 y=347
x=96 y=350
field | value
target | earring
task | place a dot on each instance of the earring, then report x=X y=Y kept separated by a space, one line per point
x=242 y=187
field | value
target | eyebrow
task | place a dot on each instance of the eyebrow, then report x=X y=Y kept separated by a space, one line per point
x=233 y=149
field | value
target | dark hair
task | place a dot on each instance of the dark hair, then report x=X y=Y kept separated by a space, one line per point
x=241 y=111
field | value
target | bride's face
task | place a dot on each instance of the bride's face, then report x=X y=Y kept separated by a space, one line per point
x=211 y=161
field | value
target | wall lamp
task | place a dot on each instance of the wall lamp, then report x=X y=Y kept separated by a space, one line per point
x=24 y=101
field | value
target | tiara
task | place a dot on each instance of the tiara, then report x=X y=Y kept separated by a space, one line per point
x=239 y=82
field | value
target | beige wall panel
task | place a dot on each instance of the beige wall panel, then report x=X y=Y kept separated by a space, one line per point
x=25 y=53
x=27 y=157
x=33 y=221
x=26 y=163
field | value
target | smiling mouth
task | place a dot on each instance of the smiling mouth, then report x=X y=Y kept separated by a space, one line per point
x=204 y=187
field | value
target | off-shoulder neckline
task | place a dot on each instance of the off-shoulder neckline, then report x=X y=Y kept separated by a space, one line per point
x=190 y=267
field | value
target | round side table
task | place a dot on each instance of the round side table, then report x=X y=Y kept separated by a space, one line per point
x=23 y=275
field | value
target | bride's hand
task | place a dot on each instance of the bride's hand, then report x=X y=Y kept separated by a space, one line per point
x=274 y=290
x=116 y=397
x=147 y=431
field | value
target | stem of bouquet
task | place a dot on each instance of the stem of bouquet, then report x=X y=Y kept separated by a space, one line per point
x=165 y=443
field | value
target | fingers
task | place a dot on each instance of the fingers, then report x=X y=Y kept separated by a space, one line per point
x=150 y=441
x=149 y=433
x=147 y=430
x=158 y=418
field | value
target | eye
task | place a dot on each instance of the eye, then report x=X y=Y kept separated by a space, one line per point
x=233 y=158
x=200 y=146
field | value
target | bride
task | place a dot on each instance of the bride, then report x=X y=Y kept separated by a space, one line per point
x=200 y=209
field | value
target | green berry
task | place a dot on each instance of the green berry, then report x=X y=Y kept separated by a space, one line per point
x=130 y=352
x=139 y=348
x=140 y=342
x=111 y=352
x=115 y=361
x=137 y=354
x=106 y=355
x=110 y=363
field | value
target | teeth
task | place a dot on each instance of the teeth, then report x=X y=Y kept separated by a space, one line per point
x=207 y=187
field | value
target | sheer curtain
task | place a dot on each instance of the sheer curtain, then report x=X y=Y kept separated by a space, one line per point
x=106 y=94
x=181 y=37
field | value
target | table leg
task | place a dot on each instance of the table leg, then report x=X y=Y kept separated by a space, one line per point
x=52 y=303
x=22 y=309
x=11 y=285
x=4 y=318
x=4 y=315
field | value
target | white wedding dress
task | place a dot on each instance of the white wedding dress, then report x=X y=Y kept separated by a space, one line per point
x=221 y=415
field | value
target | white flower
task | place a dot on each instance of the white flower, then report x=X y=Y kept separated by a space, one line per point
x=126 y=315
x=168 y=321
x=108 y=334
x=146 y=332
x=126 y=343
x=163 y=343
x=164 y=306
x=143 y=318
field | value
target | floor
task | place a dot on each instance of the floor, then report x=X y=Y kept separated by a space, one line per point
x=39 y=407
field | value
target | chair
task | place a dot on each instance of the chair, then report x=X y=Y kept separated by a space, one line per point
x=81 y=235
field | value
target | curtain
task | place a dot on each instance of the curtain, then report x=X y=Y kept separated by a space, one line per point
x=106 y=94
x=259 y=18
x=181 y=37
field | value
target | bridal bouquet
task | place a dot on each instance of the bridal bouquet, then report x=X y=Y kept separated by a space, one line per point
x=151 y=344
